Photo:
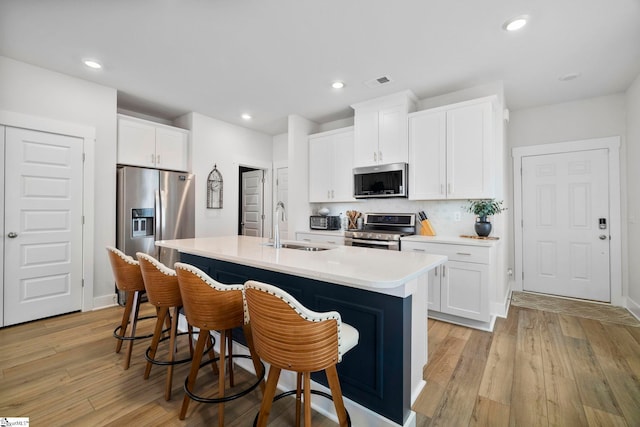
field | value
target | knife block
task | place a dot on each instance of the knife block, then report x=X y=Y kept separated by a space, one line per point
x=426 y=229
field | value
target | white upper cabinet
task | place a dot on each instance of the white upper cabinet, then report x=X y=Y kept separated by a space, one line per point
x=381 y=130
x=451 y=152
x=149 y=144
x=331 y=166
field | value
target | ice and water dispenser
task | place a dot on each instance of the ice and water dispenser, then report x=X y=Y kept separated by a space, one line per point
x=142 y=222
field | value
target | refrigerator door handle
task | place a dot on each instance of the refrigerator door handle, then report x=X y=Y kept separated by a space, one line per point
x=158 y=225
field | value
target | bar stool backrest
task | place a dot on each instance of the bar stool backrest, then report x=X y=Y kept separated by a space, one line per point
x=288 y=335
x=160 y=282
x=209 y=304
x=126 y=271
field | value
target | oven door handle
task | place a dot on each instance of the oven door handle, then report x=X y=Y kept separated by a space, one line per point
x=373 y=242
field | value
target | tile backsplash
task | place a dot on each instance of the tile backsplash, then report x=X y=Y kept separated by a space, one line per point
x=442 y=214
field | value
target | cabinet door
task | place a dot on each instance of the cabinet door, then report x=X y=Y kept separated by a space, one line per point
x=433 y=289
x=465 y=290
x=171 y=149
x=470 y=152
x=136 y=143
x=392 y=135
x=365 y=150
x=320 y=168
x=343 y=167
x=427 y=156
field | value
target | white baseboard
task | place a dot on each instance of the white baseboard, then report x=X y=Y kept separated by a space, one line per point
x=633 y=307
x=105 y=301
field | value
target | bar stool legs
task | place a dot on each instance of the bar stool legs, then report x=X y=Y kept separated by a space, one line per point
x=164 y=313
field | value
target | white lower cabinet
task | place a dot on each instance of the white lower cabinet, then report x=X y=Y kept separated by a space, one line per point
x=460 y=287
x=332 y=238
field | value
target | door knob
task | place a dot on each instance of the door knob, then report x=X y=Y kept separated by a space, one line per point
x=12 y=235
x=603 y=237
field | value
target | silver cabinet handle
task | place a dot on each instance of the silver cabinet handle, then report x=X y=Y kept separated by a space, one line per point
x=418 y=250
x=12 y=235
x=444 y=271
x=463 y=253
x=153 y=159
x=380 y=156
x=375 y=156
x=158 y=159
x=331 y=241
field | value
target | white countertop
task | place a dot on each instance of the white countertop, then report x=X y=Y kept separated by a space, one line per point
x=365 y=268
x=455 y=240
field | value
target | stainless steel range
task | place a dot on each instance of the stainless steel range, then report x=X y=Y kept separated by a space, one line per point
x=382 y=231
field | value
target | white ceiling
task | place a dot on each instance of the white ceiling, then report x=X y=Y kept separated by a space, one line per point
x=272 y=58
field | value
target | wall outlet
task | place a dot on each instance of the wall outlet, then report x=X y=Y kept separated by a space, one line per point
x=456 y=216
x=510 y=272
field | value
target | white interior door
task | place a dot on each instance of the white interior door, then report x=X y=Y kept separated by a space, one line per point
x=252 y=203
x=565 y=199
x=282 y=195
x=43 y=225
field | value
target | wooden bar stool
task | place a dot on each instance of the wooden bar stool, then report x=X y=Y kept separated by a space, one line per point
x=289 y=336
x=213 y=306
x=161 y=284
x=126 y=272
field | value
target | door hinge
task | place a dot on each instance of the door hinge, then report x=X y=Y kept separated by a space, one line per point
x=523 y=275
x=277 y=181
x=82 y=219
x=263 y=217
x=84 y=157
x=82 y=282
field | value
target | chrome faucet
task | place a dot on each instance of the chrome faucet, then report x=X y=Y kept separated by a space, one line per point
x=276 y=223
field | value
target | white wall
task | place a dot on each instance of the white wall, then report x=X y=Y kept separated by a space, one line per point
x=633 y=194
x=229 y=146
x=280 y=148
x=570 y=121
x=299 y=209
x=38 y=92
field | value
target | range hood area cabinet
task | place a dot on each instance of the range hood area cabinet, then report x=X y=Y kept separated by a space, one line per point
x=452 y=150
x=153 y=145
x=380 y=129
x=331 y=166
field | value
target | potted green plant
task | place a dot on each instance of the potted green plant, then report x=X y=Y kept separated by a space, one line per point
x=482 y=209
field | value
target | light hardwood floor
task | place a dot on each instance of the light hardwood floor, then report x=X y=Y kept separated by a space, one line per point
x=537 y=368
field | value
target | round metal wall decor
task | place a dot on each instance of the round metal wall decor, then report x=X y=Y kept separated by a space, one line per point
x=214 y=189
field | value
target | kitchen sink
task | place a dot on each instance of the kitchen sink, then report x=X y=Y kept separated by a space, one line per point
x=302 y=247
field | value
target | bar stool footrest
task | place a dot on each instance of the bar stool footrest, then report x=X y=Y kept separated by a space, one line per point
x=225 y=398
x=293 y=392
x=175 y=362
x=116 y=331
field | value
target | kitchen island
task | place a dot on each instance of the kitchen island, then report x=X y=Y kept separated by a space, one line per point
x=381 y=293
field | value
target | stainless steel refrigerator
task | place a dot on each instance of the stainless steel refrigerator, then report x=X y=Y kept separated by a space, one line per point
x=153 y=205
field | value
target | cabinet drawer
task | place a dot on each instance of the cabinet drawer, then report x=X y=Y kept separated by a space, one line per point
x=464 y=253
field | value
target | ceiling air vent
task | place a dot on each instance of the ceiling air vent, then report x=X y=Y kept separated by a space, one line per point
x=378 y=81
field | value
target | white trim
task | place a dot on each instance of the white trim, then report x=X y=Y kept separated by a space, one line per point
x=612 y=144
x=87 y=133
x=2 y=149
x=267 y=187
x=633 y=307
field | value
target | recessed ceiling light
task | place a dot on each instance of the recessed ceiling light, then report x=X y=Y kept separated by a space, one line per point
x=337 y=85
x=514 y=24
x=92 y=63
x=569 y=76
x=246 y=116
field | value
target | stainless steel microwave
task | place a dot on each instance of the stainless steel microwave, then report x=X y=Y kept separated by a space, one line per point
x=380 y=181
